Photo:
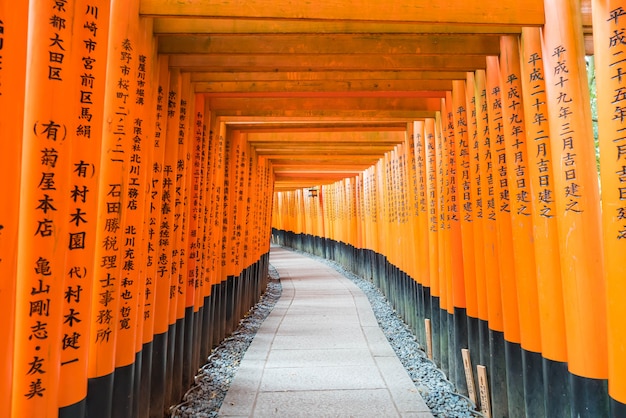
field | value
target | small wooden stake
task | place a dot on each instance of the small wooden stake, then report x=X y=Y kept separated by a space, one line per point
x=429 y=339
x=469 y=375
x=485 y=401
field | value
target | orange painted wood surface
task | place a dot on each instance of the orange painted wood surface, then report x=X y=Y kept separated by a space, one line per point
x=502 y=201
x=515 y=143
x=609 y=47
x=577 y=202
x=13 y=38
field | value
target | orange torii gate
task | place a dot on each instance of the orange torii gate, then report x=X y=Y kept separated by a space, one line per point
x=145 y=173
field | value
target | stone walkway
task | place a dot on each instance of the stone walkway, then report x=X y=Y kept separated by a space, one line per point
x=320 y=353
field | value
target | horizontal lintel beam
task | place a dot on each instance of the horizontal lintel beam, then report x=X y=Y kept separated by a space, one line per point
x=512 y=12
x=432 y=44
x=322 y=86
x=304 y=62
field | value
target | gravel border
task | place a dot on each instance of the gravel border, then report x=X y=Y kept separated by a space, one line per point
x=204 y=399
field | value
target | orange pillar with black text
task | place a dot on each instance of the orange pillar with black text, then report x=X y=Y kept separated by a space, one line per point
x=423 y=273
x=475 y=281
x=508 y=344
x=609 y=49
x=515 y=141
x=130 y=303
x=119 y=108
x=461 y=225
x=43 y=227
x=444 y=148
x=577 y=207
x=13 y=42
x=153 y=335
x=432 y=297
x=545 y=234
x=492 y=254
x=90 y=30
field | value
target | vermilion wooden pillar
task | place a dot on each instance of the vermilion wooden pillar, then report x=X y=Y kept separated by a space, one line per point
x=510 y=344
x=90 y=32
x=422 y=246
x=517 y=162
x=154 y=337
x=13 y=37
x=609 y=49
x=44 y=202
x=577 y=206
x=192 y=275
x=413 y=213
x=179 y=236
x=491 y=245
x=545 y=234
x=462 y=229
x=433 y=216
x=164 y=332
x=476 y=290
x=445 y=165
x=132 y=287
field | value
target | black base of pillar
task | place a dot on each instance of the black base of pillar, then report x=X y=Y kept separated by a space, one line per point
x=79 y=409
x=515 y=379
x=590 y=398
x=618 y=409
x=145 y=379
x=498 y=374
x=460 y=342
x=100 y=396
x=158 y=373
x=123 y=387
x=532 y=364
x=557 y=391
x=473 y=339
x=436 y=329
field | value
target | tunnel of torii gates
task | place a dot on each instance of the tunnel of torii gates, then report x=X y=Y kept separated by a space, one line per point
x=151 y=150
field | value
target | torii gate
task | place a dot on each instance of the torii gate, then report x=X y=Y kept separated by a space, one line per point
x=149 y=146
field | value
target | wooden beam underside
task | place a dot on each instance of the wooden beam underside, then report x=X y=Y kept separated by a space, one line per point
x=323 y=44
x=323 y=89
x=208 y=25
x=323 y=75
x=476 y=12
x=327 y=62
x=323 y=136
